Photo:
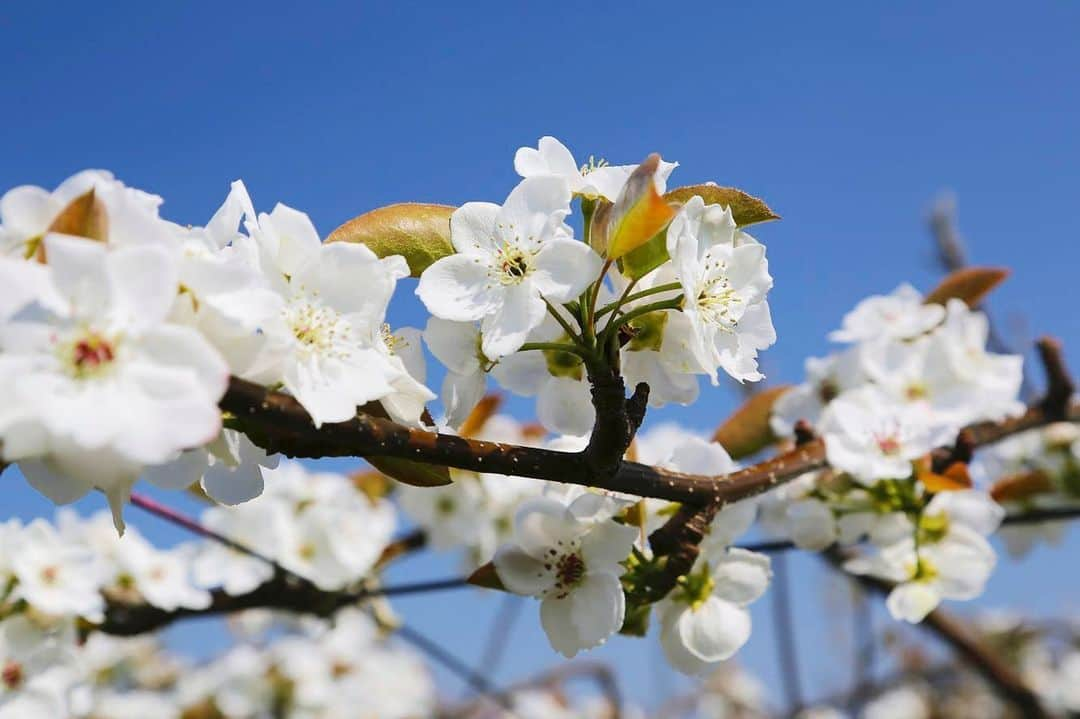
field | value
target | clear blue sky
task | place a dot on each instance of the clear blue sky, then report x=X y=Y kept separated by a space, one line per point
x=848 y=121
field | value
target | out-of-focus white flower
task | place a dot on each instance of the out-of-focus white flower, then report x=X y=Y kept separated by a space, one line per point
x=55 y=577
x=826 y=379
x=870 y=437
x=28 y=650
x=569 y=558
x=597 y=179
x=898 y=316
x=900 y=703
x=509 y=259
x=948 y=559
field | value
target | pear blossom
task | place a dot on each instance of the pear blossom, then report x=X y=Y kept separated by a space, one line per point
x=325 y=336
x=870 y=437
x=949 y=558
x=96 y=384
x=257 y=525
x=27 y=213
x=568 y=556
x=508 y=260
x=725 y=279
x=826 y=379
x=55 y=577
x=898 y=316
x=27 y=651
x=597 y=179
x=705 y=619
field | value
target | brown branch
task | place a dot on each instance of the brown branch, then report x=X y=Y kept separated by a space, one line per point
x=1006 y=682
x=679 y=538
x=286 y=593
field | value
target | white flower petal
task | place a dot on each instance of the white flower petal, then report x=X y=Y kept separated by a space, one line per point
x=458 y=288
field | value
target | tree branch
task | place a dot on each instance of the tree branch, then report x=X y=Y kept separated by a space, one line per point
x=1006 y=682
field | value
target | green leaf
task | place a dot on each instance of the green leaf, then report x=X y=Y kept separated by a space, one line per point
x=418 y=232
x=970 y=284
x=641 y=261
x=745 y=209
x=747 y=431
x=406 y=471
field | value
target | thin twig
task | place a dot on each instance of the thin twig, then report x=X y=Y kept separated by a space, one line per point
x=1005 y=682
x=784 y=632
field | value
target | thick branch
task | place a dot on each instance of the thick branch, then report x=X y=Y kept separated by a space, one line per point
x=1006 y=682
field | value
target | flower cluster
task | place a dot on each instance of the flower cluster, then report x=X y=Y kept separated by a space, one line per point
x=914 y=375
x=124 y=328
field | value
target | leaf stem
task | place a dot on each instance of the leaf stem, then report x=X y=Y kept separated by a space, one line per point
x=614 y=306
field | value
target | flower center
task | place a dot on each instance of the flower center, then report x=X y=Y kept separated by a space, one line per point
x=888 y=444
x=12 y=674
x=318 y=328
x=569 y=571
x=718 y=303
x=49 y=574
x=916 y=391
x=88 y=355
x=828 y=390
x=512 y=264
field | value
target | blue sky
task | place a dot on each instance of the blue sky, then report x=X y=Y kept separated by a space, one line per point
x=848 y=120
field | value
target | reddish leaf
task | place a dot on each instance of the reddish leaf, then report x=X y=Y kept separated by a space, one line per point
x=970 y=284
x=747 y=431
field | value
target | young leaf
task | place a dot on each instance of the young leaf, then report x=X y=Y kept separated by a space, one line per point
x=487 y=406
x=747 y=431
x=745 y=209
x=1022 y=486
x=970 y=284
x=639 y=212
x=643 y=260
x=418 y=232
x=84 y=216
x=954 y=478
x=406 y=471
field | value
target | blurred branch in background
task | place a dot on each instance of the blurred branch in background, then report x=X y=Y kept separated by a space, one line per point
x=951 y=255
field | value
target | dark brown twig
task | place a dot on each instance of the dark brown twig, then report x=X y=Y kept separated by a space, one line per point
x=1005 y=682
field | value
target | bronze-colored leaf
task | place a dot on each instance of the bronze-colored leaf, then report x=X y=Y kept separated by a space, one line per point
x=970 y=284
x=85 y=216
x=745 y=209
x=747 y=431
x=486 y=576
x=487 y=406
x=1021 y=486
x=953 y=479
x=418 y=232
